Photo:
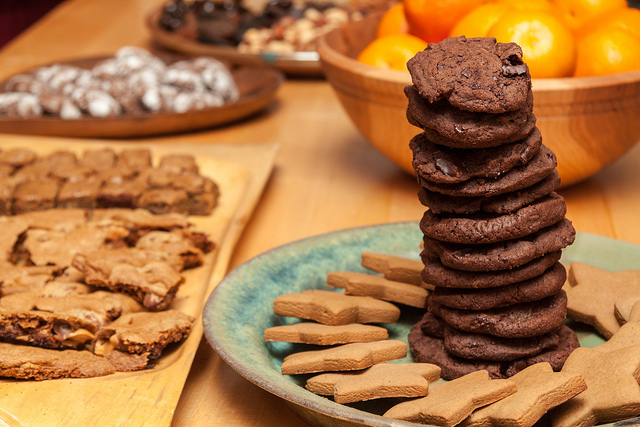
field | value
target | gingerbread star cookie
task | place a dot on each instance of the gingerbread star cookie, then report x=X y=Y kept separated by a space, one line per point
x=628 y=335
x=335 y=308
x=623 y=308
x=362 y=284
x=347 y=357
x=398 y=269
x=612 y=392
x=539 y=389
x=592 y=293
x=449 y=403
x=378 y=381
x=319 y=334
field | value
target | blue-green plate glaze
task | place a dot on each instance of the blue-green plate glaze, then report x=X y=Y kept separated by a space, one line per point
x=241 y=308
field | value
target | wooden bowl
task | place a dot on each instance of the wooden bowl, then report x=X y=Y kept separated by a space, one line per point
x=588 y=122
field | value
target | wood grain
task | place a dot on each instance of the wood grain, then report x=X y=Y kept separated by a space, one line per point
x=326 y=177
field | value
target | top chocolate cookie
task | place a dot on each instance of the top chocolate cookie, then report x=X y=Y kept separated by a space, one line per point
x=474 y=74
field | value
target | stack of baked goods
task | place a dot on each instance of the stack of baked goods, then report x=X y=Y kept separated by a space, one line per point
x=495 y=228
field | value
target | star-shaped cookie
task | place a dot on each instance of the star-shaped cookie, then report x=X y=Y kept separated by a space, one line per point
x=335 y=308
x=378 y=381
x=539 y=389
x=592 y=293
x=449 y=403
x=612 y=392
x=628 y=335
x=362 y=284
x=347 y=357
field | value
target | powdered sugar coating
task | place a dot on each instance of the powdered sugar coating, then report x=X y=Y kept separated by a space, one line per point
x=133 y=81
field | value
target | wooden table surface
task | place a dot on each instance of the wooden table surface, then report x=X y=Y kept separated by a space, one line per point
x=326 y=178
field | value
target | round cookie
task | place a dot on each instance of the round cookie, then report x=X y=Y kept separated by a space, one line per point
x=426 y=349
x=435 y=274
x=502 y=255
x=480 y=228
x=504 y=203
x=452 y=165
x=548 y=283
x=493 y=77
x=539 y=167
x=486 y=347
x=524 y=320
x=465 y=129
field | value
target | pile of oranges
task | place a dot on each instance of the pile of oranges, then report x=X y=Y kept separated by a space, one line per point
x=559 y=38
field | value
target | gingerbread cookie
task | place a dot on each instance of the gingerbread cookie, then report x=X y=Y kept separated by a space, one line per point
x=449 y=403
x=347 y=357
x=362 y=284
x=593 y=292
x=319 y=334
x=335 y=308
x=539 y=390
x=396 y=268
x=379 y=381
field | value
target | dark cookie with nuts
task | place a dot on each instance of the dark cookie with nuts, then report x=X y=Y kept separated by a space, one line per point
x=438 y=163
x=465 y=129
x=440 y=203
x=523 y=320
x=474 y=74
x=502 y=255
x=548 y=283
x=487 y=228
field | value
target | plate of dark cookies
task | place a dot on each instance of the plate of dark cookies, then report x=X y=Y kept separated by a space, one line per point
x=133 y=93
x=279 y=33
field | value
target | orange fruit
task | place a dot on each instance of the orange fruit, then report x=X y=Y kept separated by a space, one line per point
x=548 y=45
x=393 y=22
x=607 y=51
x=576 y=13
x=539 y=5
x=432 y=20
x=624 y=18
x=478 y=22
x=392 y=51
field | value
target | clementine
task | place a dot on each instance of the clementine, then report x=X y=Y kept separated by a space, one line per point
x=624 y=18
x=548 y=45
x=392 y=51
x=432 y=20
x=576 y=13
x=539 y=5
x=393 y=21
x=607 y=51
x=478 y=22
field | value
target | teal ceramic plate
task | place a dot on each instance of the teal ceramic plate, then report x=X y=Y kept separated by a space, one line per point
x=241 y=308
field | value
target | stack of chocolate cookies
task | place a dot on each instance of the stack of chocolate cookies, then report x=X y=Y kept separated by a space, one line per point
x=495 y=227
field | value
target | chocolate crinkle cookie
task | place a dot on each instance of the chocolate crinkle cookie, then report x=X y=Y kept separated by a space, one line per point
x=133 y=81
x=474 y=74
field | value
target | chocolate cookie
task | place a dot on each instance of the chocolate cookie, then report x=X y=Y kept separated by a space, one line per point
x=524 y=320
x=548 y=283
x=427 y=349
x=504 y=203
x=452 y=165
x=538 y=168
x=465 y=129
x=502 y=255
x=474 y=74
x=487 y=228
x=434 y=273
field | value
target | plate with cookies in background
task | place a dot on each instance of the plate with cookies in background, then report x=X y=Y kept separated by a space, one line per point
x=133 y=93
x=268 y=321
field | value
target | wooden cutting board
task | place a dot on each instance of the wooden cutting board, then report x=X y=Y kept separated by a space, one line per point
x=148 y=397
